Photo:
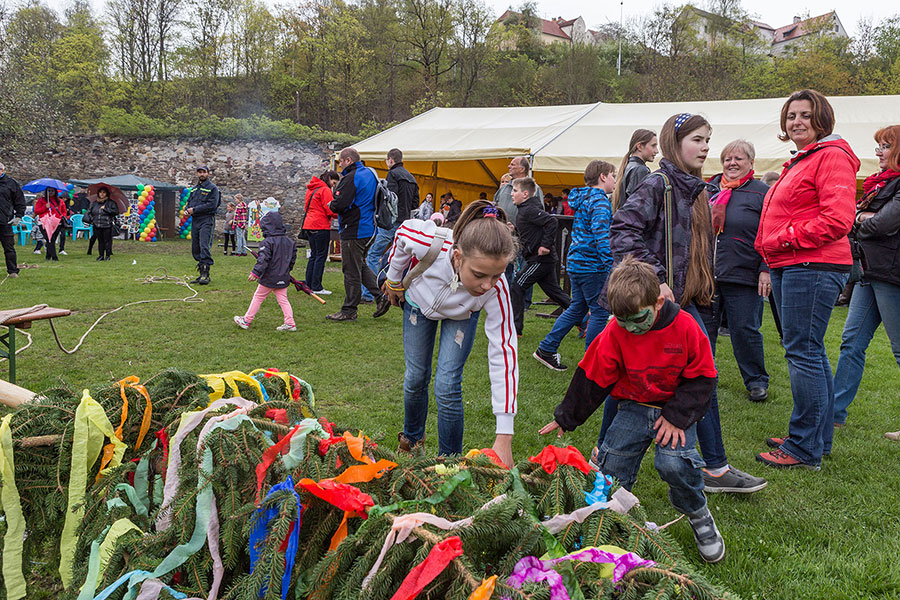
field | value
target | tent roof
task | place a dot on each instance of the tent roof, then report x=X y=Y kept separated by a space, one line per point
x=127 y=183
x=564 y=139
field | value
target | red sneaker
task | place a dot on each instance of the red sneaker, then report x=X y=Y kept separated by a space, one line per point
x=780 y=458
x=775 y=442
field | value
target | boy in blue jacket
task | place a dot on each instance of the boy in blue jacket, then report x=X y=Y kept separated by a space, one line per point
x=277 y=253
x=588 y=261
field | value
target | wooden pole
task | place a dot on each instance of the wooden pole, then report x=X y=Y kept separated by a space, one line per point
x=12 y=395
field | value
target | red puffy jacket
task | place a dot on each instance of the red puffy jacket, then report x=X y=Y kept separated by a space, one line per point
x=57 y=206
x=809 y=211
x=318 y=215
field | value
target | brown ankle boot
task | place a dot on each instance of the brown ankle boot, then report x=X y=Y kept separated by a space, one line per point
x=407 y=447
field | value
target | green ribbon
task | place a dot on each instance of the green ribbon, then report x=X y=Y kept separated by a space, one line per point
x=463 y=478
x=13 y=578
x=101 y=551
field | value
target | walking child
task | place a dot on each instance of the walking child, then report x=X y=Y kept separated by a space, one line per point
x=655 y=360
x=537 y=236
x=458 y=274
x=229 y=229
x=277 y=253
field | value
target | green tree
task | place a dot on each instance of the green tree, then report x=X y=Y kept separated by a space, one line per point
x=426 y=29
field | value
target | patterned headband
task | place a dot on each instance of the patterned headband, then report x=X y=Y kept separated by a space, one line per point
x=679 y=121
x=490 y=212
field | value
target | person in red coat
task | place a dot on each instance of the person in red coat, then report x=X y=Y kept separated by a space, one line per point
x=317 y=227
x=51 y=204
x=802 y=237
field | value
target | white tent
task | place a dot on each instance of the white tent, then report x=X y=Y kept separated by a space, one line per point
x=468 y=149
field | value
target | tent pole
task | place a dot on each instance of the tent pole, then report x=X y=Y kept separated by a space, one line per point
x=489 y=174
x=434 y=180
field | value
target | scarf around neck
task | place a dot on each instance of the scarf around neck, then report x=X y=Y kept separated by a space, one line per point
x=719 y=202
x=873 y=183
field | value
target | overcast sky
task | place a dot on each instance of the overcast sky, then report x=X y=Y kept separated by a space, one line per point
x=773 y=12
x=595 y=12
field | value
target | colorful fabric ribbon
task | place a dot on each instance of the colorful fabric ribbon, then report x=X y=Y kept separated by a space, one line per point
x=219 y=381
x=345 y=497
x=260 y=529
x=101 y=551
x=600 y=493
x=13 y=578
x=534 y=570
x=553 y=456
x=425 y=572
x=485 y=590
x=622 y=501
x=490 y=453
x=92 y=427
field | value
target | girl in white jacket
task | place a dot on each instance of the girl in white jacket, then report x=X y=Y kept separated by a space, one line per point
x=466 y=277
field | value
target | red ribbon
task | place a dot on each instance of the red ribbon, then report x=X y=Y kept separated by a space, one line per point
x=552 y=456
x=425 y=572
x=268 y=458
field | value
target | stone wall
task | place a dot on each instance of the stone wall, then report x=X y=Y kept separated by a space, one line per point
x=257 y=169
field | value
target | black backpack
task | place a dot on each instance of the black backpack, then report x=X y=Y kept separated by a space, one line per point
x=386 y=204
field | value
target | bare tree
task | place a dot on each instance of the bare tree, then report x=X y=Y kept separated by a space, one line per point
x=426 y=27
x=166 y=18
x=474 y=21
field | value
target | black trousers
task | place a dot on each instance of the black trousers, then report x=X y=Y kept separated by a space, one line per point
x=356 y=273
x=9 y=248
x=542 y=274
x=202 y=239
x=104 y=240
x=51 y=242
x=92 y=240
x=229 y=235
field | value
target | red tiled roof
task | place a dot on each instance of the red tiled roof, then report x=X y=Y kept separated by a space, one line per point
x=566 y=23
x=552 y=28
x=801 y=28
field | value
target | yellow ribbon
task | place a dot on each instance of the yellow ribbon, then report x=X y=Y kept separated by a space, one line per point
x=285 y=377
x=13 y=578
x=218 y=382
x=118 y=529
x=92 y=428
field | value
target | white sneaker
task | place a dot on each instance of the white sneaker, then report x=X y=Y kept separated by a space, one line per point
x=239 y=320
x=37 y=251
x=322 y=292
x=285 y=327
x=63 y=253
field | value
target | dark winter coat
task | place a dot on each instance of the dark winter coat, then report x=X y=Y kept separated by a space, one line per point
x=12 y=200
x=204 y=199
x=401 y=182
x=638 y=227
x=454 y=212
x=102 y=216
x=277 y=253
x=879 y=235
x=634 y=173
x=354 y=202
x=536 y=228
x=736 y=259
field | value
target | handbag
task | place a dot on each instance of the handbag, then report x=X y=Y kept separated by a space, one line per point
x=860 y=264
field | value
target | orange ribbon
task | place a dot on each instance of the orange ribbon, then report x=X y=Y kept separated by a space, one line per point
x=108 y=450
x=485 y=590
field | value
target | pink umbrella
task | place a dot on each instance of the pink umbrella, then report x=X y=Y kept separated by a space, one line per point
x=49 y=222
x=114 y=193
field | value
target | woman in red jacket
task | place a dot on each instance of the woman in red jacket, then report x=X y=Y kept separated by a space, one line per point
x=317 y=227
x=802 y=237
x=51 y=203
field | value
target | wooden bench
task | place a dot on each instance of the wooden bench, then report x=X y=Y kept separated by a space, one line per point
x=22 y=318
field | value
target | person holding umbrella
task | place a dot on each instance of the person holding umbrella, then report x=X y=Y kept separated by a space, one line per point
x=50 y=211
x=12 y=209
x=202 y=205
x=102 y=215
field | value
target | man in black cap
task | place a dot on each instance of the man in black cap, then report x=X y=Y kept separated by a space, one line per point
x=12 y=209
x=201 y=206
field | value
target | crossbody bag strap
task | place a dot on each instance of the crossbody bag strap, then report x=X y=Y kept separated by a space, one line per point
x=437 y=243
x=667 y=224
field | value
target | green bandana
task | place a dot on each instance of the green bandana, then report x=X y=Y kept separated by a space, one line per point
x=638 y=323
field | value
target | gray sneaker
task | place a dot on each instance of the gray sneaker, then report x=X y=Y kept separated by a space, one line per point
x=733 y=481
x=706 y=535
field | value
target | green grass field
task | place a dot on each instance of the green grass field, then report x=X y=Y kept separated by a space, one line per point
x=832 y=534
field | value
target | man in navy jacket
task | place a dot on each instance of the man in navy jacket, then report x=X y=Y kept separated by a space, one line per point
x=201 y=206
x=354 y=203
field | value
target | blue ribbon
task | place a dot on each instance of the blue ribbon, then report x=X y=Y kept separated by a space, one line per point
x=260 y=530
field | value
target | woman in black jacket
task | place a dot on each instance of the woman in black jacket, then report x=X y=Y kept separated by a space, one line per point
x=102 y=215
x=742 y=278
x=876 y=298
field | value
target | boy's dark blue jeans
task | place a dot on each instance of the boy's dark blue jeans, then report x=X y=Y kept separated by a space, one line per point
x=626 y=442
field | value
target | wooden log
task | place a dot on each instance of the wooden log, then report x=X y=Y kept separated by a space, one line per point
x=39 y=440
x=12 y=395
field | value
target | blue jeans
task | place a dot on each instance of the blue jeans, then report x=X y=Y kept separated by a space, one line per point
x=627 y=440
x=454 y=346
x=383 y=240
x=240 y=236
x=805 y=300
x=709 y=429
x=744 y=307
x=872 y=303
x=585 y=293
x=318 y=253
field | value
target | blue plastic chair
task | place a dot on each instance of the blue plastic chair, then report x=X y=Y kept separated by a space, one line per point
x=78 y=225
x=25 y=230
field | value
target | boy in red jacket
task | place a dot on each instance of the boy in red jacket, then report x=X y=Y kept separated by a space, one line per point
x=654 y=359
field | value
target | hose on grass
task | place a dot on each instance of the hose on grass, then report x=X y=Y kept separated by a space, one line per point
x=159 y=275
